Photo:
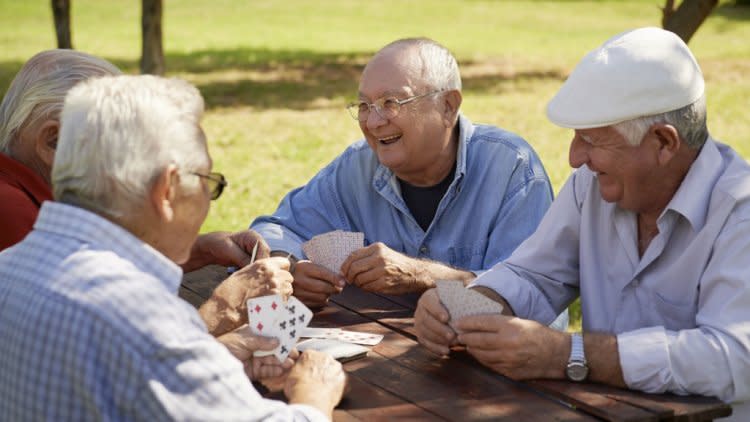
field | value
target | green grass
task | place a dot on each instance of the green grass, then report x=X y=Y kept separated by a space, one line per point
x=276 y=75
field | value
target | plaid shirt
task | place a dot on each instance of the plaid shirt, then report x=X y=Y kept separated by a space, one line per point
x=91 y=328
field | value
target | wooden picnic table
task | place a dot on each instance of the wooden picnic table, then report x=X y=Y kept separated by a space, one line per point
x=399 y=379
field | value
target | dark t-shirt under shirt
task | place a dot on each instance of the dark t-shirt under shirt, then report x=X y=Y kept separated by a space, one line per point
x=423 y=201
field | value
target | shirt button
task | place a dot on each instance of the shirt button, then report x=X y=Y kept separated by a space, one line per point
x=423 y=250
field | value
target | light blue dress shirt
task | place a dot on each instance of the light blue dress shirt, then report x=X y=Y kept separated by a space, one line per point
x=91 y=328
x=499 y=194
x=681 y=312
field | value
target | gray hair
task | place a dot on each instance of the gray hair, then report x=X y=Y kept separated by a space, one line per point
x=119 y=133
x=439 y=67
x=690 y=122
x=38 y=90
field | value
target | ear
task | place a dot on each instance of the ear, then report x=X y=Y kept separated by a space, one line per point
x=452 y=102
x=668 y=142
x=163 y=192
x=45 y=141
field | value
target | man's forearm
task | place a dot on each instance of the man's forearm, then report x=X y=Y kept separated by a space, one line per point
x=433 y=271
x=603 y=359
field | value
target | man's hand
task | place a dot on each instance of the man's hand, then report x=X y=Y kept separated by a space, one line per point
x=517 y=348
x=431 y=322
x=378 y=268
x=241 y=343
x=313 y=284
x=226 y=309
x=316 y=380
x=227 y=249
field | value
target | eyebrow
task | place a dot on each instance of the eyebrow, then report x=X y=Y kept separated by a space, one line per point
x=389 y=93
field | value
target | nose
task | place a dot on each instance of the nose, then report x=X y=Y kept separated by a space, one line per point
x=579 y=152
x=374 y=120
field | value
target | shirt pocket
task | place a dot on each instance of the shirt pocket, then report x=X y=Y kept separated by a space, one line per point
x=673 y=314
x=470 y=257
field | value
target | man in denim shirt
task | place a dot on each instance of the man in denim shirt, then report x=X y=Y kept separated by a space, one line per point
x=436 y=196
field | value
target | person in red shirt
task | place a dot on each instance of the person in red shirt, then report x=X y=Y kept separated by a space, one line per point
x=29 y=122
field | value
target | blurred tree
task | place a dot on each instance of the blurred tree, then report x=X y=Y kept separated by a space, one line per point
x=152 y=56
x=61 y=13
x=687 y=17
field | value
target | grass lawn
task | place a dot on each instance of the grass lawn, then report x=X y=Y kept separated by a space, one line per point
x=276 y=75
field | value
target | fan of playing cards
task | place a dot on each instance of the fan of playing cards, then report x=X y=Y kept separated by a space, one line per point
x=461 y=302
x=271 y=316
x=331 y=249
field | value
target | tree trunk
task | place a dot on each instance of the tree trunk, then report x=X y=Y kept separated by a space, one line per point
x=61 y=13
x=685 y=20
x=152 y=57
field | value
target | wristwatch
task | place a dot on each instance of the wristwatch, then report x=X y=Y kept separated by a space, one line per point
x=577 y=369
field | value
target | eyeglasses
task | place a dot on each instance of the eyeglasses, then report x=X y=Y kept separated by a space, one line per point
x=216 y=183
x=387 y=108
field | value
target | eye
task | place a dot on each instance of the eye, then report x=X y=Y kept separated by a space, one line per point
x=363 y=107
x=391 y=104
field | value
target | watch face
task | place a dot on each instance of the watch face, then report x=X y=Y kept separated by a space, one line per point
x=577 y=371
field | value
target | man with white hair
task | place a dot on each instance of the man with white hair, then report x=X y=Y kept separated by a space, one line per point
x=652 y=231
x=436 y=196
x=91 y=325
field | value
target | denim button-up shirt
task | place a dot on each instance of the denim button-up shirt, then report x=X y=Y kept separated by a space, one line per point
x=498 y=195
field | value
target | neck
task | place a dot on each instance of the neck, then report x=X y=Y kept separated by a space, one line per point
x=438 y=167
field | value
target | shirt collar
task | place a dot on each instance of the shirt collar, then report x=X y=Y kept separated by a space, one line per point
x=102 y=234
x=384 y=175
x=26 y=178
x=693 y=196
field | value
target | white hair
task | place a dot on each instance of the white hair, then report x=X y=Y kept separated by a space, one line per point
x=119 y=133
x=690 y=122
x=439 y=67
x=38 y=90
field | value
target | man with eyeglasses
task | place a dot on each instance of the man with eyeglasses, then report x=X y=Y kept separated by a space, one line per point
x=436 y=196
x=91 y=326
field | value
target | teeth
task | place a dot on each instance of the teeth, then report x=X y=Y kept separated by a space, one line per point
x=389 y=138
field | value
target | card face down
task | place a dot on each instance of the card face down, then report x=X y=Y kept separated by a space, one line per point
x=339 y=350
x=461 y=302
x=331 y=249
x=357 y=337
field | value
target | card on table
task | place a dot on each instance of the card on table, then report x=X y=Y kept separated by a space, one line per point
x=339 y=350
x=331 y=249
x=270 y=316
x=357 y=337
x=461 y=302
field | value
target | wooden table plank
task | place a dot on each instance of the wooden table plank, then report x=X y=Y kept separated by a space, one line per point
x=591 y=397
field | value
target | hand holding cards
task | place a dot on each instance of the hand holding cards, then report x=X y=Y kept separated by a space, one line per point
x=461 y=302
x=270 y=316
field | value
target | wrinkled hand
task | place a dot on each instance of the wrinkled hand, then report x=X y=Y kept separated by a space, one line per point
x=431 y=322
x=226 y=309
x=517 y=348
x=314 y=284
x=227 y=249
x=241 y=343
x=316 y=379
x=378 y=268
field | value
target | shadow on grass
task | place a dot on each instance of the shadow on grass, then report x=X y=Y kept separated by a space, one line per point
x=292 y=79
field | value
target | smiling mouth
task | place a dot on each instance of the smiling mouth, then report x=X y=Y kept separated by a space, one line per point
x=389 y=139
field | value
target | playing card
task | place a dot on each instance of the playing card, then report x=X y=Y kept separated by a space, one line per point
x=339 y=350
x=331 y=249
x=315 y=332
x=270 y=316
x=368 y=339
x=462 y=302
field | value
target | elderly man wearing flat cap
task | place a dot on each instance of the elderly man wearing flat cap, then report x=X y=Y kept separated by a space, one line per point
x=652 y=231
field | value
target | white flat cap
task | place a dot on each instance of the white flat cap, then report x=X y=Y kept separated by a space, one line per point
x=637 y=73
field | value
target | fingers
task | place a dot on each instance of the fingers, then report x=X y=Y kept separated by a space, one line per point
x=245 y=241
x=356 y=256
x=309 y=270
x=430 y=322
x=241 y=342
x=368 y=280
x=483 y=323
